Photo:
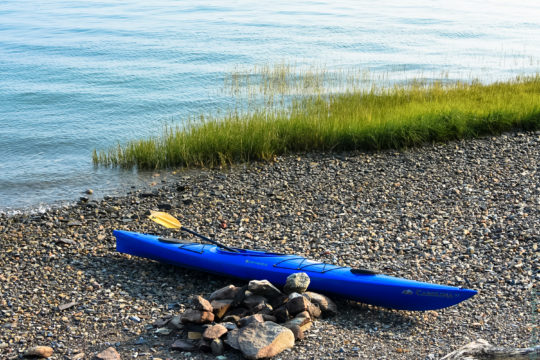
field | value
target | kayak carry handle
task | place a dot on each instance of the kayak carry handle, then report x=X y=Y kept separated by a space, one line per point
x=171 y=240
x=362 y=271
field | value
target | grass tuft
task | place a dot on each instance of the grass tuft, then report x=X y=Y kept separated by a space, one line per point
x=313 y=111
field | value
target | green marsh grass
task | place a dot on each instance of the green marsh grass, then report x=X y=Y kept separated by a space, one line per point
x=292 y=112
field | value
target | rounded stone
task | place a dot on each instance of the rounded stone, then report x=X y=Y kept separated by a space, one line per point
x=297 y=282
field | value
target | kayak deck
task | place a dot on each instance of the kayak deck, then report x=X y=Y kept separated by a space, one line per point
x=354 y=284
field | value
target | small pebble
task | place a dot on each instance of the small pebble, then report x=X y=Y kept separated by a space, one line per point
x=463 y=213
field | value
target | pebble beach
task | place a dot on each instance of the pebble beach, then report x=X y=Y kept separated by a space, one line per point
x=465 y=213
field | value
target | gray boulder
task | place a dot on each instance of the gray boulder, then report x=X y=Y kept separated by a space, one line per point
x=264 y=288
x=297 y=282
x=327 y=306
x=264 y=340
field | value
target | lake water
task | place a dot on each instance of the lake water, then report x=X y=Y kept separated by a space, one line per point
x=79 y=75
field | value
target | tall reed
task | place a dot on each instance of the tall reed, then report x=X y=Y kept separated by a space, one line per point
x=289 y=111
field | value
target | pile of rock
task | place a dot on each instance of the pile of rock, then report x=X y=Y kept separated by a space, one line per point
x=257 y=319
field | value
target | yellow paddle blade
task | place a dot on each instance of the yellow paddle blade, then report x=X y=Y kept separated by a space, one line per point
x=165 y=219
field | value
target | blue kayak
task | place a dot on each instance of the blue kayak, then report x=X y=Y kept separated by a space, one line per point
x=354 y=284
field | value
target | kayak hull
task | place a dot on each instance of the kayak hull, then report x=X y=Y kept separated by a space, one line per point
x=376 y=289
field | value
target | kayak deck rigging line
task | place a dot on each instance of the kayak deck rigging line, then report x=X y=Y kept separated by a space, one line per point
x=200 y=246
x=301 y=265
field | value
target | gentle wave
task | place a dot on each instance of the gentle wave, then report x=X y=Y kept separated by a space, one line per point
x=82 y=75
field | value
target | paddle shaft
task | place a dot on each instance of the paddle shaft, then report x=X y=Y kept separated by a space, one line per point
x=208 y=239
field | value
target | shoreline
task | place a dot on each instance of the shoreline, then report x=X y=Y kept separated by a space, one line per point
x=377 y=118
x=461 y=213
x=146 y=180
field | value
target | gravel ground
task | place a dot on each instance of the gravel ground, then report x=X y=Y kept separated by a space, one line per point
x=464 y=213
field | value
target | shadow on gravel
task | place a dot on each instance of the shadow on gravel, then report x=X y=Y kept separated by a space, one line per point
x=146 y=279
x=169 y=285
x=146 y=284
x=150 y=291
x=354 y=315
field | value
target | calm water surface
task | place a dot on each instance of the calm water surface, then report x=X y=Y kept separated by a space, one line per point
x=79 y=75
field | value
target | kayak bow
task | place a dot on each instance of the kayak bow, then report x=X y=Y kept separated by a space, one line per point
x=354 y=284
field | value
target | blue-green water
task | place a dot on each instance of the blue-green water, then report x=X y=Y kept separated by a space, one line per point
x=79 y=75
